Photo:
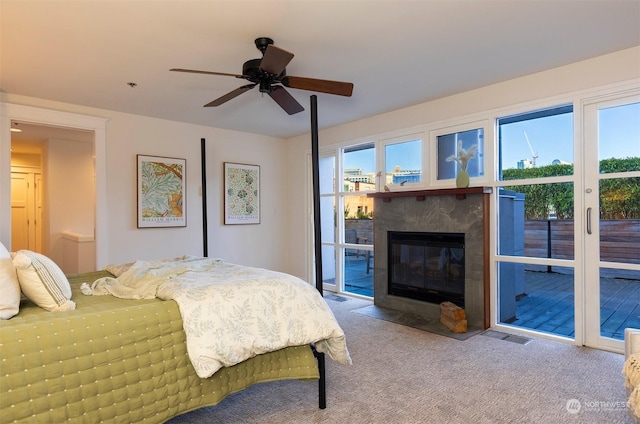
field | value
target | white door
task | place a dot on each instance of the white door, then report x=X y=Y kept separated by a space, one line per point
x=612 y=220
x=19 y=211
x=26 y=211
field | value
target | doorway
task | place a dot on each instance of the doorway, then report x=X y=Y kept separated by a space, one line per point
x=52 y=120
x=45 y=162
x=612 y=214
x=569 y=221
x=346 y=220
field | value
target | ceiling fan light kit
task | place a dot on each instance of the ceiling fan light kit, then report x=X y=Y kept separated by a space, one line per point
x=269 y=74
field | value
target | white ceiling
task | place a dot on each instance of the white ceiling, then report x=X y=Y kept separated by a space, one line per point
x=397 y=53
x=32 y=136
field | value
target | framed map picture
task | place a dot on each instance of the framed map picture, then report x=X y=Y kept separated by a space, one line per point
x=241 y=193
x=161 y=192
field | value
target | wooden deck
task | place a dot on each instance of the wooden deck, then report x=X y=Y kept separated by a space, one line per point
x=549 y=305
x=357 y=279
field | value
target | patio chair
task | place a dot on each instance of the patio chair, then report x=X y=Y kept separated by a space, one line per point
x=351 y=237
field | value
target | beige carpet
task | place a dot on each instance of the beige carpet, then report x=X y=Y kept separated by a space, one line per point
x=405 y=375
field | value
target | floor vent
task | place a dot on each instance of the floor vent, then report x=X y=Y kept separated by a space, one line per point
x=508 y=337
x=335 y=298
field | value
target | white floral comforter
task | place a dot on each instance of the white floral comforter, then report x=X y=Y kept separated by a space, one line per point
x=232 y=312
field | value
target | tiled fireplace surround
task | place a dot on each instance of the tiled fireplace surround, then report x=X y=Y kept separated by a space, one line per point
x=447 y=210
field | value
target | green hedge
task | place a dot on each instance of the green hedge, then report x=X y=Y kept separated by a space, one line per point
x=619 y=197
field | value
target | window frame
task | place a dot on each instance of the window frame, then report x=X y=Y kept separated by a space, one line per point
x=553 y=109
x=381 y=146
x=484 y=154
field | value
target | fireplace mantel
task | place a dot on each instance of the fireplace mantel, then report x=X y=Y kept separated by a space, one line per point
x=420 y=195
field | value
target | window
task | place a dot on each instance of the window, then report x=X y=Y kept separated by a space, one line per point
x=359 y=168
x=536 y=144
x=467 y=144
x=346 y=215
x=403 y=162
x=615 y=124
x=358 y=175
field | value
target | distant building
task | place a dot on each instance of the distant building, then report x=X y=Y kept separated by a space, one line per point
x=358 y=186
x=398 y=176
x=358 y=175
x=559 y=162
x=401 y=177
x=358 y=204
x=525 y=164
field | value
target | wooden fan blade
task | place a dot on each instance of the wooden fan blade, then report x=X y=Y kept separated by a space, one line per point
x=230 y=95
x=275 y=60
x=321 y=86
x=285 y=100
x=193 y=71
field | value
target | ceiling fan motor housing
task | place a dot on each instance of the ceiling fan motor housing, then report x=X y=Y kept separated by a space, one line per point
x=251 y=69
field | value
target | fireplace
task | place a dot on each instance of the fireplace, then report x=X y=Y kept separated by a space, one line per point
x=460 y=213
x=427 y=266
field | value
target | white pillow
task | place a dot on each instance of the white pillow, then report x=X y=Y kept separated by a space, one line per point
x=42 y=281
x=9 y=287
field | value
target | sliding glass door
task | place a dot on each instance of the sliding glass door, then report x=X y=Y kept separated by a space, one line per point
x=346 y=216
x=568 y=237
x=612 y=220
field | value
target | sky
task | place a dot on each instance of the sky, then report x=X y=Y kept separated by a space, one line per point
x=551 y=138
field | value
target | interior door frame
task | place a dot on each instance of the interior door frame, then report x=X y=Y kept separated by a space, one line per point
x=41 y=116
x=590 y=307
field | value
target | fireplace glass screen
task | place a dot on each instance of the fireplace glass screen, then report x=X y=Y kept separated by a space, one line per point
x=427 y=266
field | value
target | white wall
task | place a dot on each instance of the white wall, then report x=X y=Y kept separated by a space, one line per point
x=256 y=245
x=608 y=69
x=69 y=192
x=127 y=135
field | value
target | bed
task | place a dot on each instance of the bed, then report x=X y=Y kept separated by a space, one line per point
x=124 y=360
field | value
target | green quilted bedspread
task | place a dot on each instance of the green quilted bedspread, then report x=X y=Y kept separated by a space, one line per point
x=117 y=360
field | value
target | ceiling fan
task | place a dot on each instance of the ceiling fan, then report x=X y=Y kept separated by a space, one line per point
x=269 y=74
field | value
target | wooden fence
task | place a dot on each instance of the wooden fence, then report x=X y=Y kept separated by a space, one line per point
x=619 y=239
x=619 y=242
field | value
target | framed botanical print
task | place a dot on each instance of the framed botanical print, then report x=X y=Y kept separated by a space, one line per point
x=241 y=193
x=161 y=192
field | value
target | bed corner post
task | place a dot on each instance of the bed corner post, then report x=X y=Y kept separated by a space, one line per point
x=322 y=385
x=322 y=382
x=316 y=192
x=203 y=159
